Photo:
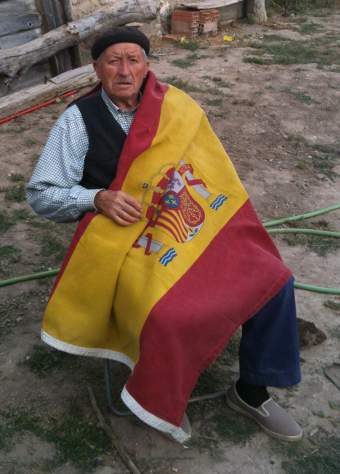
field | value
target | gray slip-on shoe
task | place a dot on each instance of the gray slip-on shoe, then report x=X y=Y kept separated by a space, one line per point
x=272 y=418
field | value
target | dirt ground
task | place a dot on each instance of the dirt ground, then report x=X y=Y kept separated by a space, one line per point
x=273 y=97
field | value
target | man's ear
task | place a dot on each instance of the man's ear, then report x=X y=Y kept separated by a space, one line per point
x=95 y=67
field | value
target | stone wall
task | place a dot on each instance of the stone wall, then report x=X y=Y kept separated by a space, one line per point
x=86 y=7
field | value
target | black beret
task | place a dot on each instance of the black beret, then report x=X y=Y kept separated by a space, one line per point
x=122 y=34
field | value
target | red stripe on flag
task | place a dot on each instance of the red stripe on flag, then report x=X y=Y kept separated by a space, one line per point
x=169 y=229
x=237 y=275
x=143 y=129
x=172 y=218
x=166 y=221
x=140 y=137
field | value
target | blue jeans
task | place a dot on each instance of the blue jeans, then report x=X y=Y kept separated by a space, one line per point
x=269 y=348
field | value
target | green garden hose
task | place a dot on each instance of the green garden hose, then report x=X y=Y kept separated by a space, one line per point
x=322 y=233
x=271 y=223
x=31 y=276
x=317 y=289
x=307 y=215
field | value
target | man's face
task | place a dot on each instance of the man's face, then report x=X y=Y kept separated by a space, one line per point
x=122 y=68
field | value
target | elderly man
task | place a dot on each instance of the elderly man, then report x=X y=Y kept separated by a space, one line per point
x=169 y=258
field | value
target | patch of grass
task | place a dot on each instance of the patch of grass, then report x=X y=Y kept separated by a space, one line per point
x=230 y=354
x=13 y=309
x=220 y=82
x=215 y=91
x=8 y=251
x=302 y=97
x=8 y=220
x=322 y=246
x=5 y=222
x=323 y=51
x=188 y=61
x=213 y=102
x=255 y=60
x=181 y=84
x=333 y=305
x=52 y=248
x=229 y=426
x=310 y=27
x=29 y=141
x=15 y=421
x=218 y=115
x=17 y=128
x=16 y=177
x=192 y=45
x=322 y=458
x=42 y=361
x=312 y=7
x=221 y=425
x=335 y=332
x=8 y=256
x=334 y=404
x=218 y=425
x=250 y=19
x=21 y=215
x=244 y=102
x=324 y=162
x=323 y=158
x=211 y=380
x=16 y=193
x=77 y=439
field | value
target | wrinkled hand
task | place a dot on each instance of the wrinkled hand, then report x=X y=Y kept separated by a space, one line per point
x=118 y=206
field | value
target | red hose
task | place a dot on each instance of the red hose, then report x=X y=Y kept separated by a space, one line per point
x=36 y=107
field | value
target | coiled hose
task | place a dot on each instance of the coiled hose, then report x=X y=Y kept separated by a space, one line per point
x=268 y=224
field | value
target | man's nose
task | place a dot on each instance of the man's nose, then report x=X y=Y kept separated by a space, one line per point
x=124 y=68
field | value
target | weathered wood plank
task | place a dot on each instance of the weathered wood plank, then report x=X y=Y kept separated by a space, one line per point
x=76 y=78
x=74 y=51
x=231 y=12
x=36 y=75
x=10 y=24
x=68 y=10
x=203 y=4
x=75 y=74
x=18 y=7
x=14 y=60
x=53 y=16
x=22 y=37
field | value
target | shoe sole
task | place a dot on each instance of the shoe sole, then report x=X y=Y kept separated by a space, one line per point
x=267 y=430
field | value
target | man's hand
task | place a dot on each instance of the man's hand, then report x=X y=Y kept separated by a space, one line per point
x=118 y=206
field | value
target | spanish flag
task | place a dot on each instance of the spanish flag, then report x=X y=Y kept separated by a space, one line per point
x=164 y=295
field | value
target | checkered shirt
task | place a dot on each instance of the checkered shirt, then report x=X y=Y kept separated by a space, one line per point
x=53 y=191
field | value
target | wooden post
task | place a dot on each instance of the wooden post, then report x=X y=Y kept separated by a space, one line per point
x=52 y=13
x=74 y=51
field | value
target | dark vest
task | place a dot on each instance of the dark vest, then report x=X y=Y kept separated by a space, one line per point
x=106 y=140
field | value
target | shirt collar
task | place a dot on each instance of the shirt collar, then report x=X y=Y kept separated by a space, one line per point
x=115 y=107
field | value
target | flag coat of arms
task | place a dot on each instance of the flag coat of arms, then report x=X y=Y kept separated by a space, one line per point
x=164 y=295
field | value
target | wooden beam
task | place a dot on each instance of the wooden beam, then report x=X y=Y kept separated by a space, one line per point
x=14 y=23
x=53 y=16
x=21 y=58
x=16 y=39
x=74 y=51
x=70 y=80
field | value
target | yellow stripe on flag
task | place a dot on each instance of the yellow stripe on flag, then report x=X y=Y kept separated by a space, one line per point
x=109 y=287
